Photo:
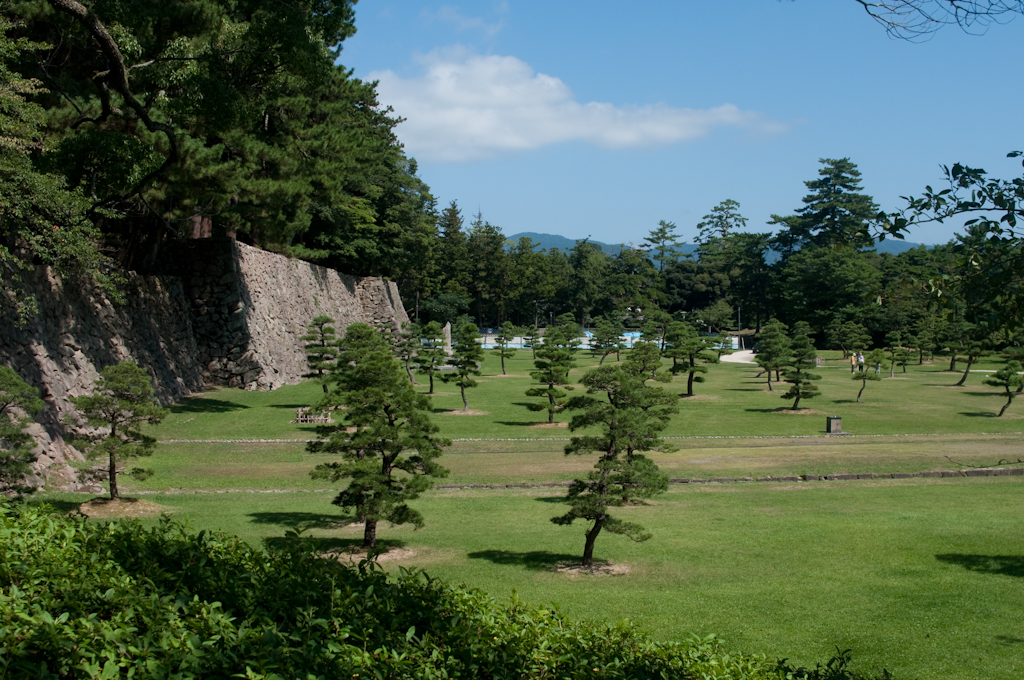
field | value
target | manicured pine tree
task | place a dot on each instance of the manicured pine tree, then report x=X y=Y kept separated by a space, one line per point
x=1008 y=377
x=467 y=355
x=321 y=348
x=606 y=339
x=407 y=345
x=531 y=338
x=974 y=351
x=16 y=445
x=645 y=357
x=798 y=371
x=774 y=349
x=690 y=353
x=876 y=357
x=386 y=439
x=121 y=401
x=630 y=414
x=555 y=357
x=431 y=355
x=506 y=335
x=903 y=354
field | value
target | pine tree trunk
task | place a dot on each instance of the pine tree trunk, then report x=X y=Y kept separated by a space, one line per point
x=112 y=474
x=503 y=363
x=863 y=384
x=770 y=381
x=551 y=404
x=1009 y=400
x=408 y=369
x=588 y=547
x=796 y=404
x=963 y=378
x=465 y=404
x=370 y=534
x=689 y=385
x=952 y=362
x=431 y=374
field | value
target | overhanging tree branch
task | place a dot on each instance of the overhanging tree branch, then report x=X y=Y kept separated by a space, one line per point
x=116 y=77
x=918 y=19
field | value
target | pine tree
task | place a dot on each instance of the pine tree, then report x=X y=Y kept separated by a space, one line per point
x=467 y=355
x=663 y=242
x=798 y=371
x=555 y=358
x=121 y=401
x=774 y=349
x=431 y=355
x=630 y=414
x=531 y=337
x=16 y=446
x=1007 y=377
x=974 y=351
x=407 y=346
x=386 y=439
x=321 y=348
x=507 y=333
x=690 y=353
x=606 y=338
x=876 y=357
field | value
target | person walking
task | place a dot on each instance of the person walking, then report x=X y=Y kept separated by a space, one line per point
x=853 y=362
x=860 y=361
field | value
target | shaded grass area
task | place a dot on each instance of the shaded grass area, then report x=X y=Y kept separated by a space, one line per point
x=731 y=402
x=921 y=576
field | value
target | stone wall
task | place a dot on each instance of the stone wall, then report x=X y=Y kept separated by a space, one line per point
x=251 y=307
x=77 y=333
x=226 y=314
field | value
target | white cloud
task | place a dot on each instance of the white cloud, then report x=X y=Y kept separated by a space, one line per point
x=466 y=106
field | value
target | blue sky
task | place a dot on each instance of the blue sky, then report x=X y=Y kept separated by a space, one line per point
x=600 y=119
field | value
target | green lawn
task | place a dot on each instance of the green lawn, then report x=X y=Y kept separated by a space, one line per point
x=921 y=576
x=731 y=403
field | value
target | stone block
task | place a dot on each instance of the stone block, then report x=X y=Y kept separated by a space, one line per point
x=949 y=473
x=867 y=475
x=978 y=472
x=1016 y=471
x=901 y=475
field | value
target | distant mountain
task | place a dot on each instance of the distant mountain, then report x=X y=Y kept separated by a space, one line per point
x=894 y=246
x=548 y=241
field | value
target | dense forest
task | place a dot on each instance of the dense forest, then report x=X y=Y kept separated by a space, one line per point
x=124 y=127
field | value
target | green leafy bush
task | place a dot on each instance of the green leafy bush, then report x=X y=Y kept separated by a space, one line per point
x=90 y=600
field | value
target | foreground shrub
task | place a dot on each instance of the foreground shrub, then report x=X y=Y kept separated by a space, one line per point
x=89 y=600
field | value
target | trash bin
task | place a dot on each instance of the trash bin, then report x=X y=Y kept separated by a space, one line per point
x=833 y=425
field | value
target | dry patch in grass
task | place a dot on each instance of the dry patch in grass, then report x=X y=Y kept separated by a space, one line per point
x=505 y=376
x=470 y=412
x=548 y=426
x=105 y=508
x=573 y=569
x=356 y=553
x=698 y=397
x=800 y=411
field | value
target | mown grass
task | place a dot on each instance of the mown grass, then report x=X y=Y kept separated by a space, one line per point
x=920 y=576
x=732 y=402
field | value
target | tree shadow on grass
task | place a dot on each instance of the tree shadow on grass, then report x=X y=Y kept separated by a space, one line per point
x=56 y=504
x=206 y=405
x=1008 y=640
x=320 y=544
x=518 y=423
x=552 y=499
x=1006 y=565
x=301 y=520
x=289 y=406
x=536 y=560
x=976 y=414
